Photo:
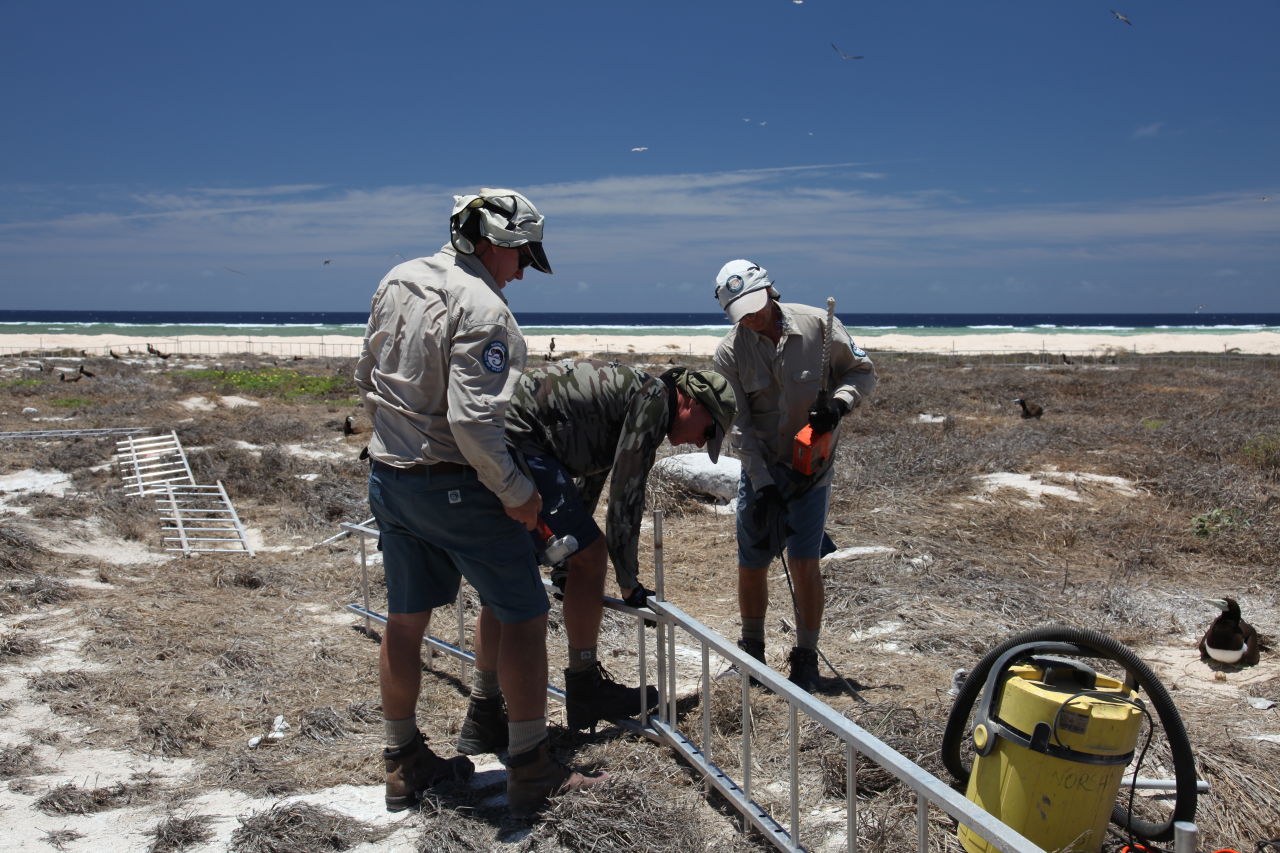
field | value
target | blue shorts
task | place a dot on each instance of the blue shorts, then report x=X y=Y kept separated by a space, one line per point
x=439 y=528
x=806 y=516
x=562 y=507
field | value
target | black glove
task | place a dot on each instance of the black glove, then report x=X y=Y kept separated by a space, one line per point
x=768 y=500
x=824 y=415
x=638 y=596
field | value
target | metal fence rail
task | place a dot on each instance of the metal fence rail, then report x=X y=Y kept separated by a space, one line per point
x=72 y=433
x=859 y=744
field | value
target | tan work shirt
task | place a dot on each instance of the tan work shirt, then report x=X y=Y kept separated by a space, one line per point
x=775 y=385
x=440 y=361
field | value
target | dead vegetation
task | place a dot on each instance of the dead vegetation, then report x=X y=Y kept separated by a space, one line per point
x=194 y=657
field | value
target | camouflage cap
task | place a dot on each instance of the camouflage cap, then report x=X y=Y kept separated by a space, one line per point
x=713 y=392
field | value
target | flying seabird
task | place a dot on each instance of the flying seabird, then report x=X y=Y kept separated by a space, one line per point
x=1230 y=639
x=229 y=269
x=842 y=54
x=1120 y=17
x=327 y=261
x=641 y=148
x=1029 y=409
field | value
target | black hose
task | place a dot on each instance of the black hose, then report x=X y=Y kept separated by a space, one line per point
x=1184 y=770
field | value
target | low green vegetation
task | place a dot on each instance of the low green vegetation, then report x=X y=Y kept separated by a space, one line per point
x=71 y=402
x=276 y=382
x=1215 y=521
x=1263 y=451
x=14 y=384
x=1153 y=423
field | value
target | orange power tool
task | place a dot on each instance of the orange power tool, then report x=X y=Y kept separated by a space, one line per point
x=810 y=452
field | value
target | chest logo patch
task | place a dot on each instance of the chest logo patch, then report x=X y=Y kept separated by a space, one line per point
x=495 y=357
x=734 y=284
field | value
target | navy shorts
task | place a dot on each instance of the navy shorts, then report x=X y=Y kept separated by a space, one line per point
x=438 y=528
x=562 y=507
x=806 y=516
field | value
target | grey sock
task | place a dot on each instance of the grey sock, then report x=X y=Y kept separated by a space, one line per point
x=581 y=659
x=753 y=628
x=484 y=684
x=400 y=732
x=807 y=639
x=526 y=735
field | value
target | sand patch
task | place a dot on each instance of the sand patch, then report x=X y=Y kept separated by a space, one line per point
x=1050 y=482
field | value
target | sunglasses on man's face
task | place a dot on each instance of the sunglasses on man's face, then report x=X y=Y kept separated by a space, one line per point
x=526 y=256
x=709 y=433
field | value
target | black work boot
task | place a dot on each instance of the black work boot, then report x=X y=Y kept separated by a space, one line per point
x=755 y=648
x=804 y=670
x=534 y=776
x=485 y=728
x=592 y=695
x=413 y=768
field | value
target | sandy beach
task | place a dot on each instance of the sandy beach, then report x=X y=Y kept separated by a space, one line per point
x=1084 y=343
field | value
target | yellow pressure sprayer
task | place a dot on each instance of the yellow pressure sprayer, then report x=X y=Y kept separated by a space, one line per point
x=809 y=452
x=1052 y=739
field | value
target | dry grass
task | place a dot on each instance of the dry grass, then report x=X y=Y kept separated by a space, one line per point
x=194 y=657
x=301 y=828
x=179 y=832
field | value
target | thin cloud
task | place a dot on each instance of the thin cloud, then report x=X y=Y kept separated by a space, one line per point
x=1149 y=130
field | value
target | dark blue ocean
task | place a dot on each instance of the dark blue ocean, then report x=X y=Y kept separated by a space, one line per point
x=303 y=323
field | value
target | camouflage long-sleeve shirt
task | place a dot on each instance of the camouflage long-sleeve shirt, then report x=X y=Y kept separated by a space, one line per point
x=594 y=418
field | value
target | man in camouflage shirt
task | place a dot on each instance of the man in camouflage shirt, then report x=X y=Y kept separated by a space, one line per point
x=574 y=424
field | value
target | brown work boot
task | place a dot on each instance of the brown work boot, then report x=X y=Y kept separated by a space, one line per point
x=534 y=776
x=485 y=728
x=413 y=768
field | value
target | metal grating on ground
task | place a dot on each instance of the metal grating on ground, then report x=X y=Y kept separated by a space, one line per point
x=72 y=433
x=200 y=519
x=151 y=463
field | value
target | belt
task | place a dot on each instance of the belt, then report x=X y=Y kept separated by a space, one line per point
x=422 y=468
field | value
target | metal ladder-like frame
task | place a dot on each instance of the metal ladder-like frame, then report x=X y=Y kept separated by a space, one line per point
x=151 y=463
x=200 y=519
x=195 y=518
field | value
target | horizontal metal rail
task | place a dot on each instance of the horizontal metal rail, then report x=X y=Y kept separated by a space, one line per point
x=72 y=433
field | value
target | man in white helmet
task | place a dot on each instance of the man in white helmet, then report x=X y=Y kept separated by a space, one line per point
x=441 y=357
x=772 y=358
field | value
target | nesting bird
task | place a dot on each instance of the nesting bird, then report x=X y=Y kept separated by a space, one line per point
x=1230 y=639
x=80 y=369
x=1029 y=409
x=349 y=426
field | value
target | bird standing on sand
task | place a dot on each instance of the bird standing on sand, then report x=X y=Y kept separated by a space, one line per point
x=1029 y=409
x=1230 y=639
x=1120 y=17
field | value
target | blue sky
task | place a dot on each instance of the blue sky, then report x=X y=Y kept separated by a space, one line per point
x=1033 y=156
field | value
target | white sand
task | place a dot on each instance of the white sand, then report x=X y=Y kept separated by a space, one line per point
x=1252 y=343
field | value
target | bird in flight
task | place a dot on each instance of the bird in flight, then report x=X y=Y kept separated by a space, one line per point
x=1264 y=198
x=229 y=269
x=641 y=148
x=327 y=261
x=842 y=54
x=1120 y=17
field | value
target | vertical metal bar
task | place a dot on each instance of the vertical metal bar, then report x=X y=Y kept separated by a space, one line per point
x=792 y=761
x=644 y=676
x=706 y=701
x=671 y=675
x=850 y=798
x=1185 y=837
x=922 y=823
x=462 y=639
x=364 y=587
x=660 y=647
x=746 y=732
x=659 y=575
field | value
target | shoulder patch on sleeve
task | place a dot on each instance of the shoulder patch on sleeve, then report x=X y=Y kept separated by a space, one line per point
x=858 y=351
x=495 y=356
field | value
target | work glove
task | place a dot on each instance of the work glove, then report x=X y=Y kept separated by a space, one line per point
x=638 y=596
x=824 y=415
x=768 y=501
